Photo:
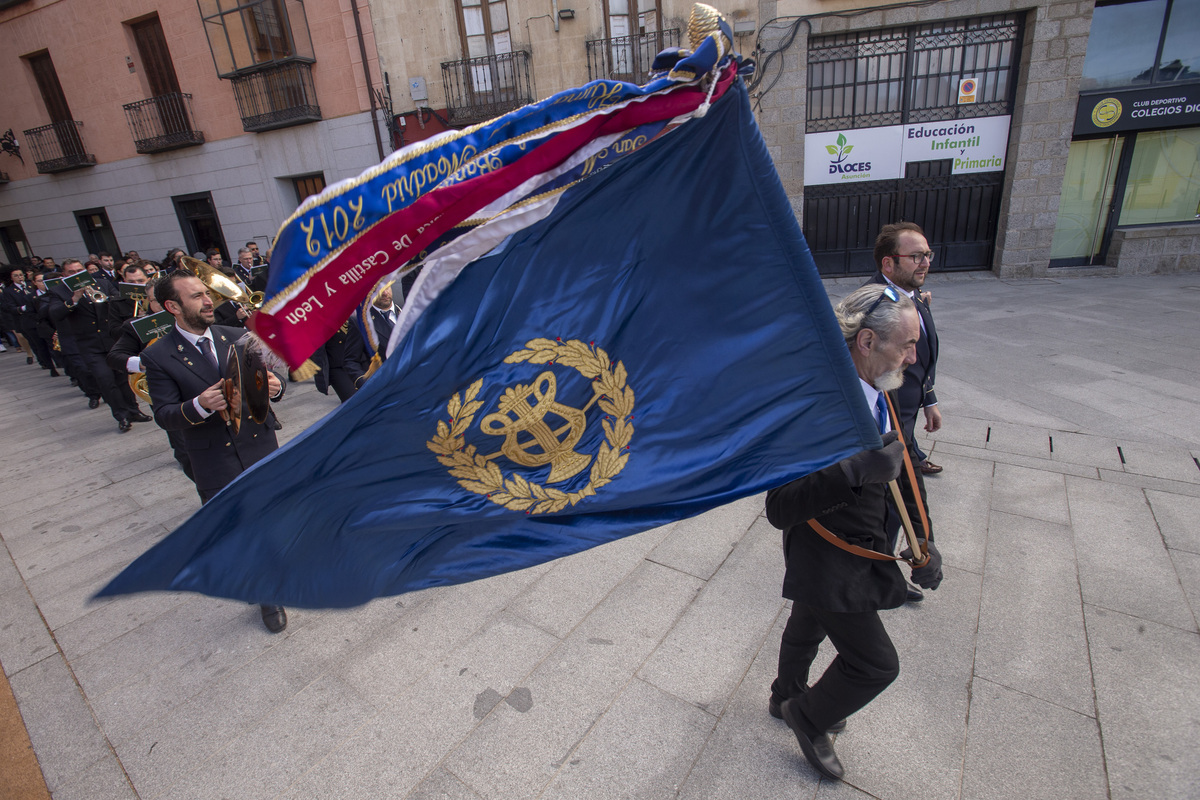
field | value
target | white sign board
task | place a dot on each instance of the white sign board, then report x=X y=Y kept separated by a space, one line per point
x=865 y=154
x=976 y=145
x=879 y=154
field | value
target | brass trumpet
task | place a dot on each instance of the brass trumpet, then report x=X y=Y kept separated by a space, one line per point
x=94 y=293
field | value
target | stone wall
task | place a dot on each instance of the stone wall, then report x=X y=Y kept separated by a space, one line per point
x=1155 y=250
x=1051 y=64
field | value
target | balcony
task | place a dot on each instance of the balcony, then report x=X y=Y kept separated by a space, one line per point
x=278 y=95
x=58 y=147
x=162 y=123
x=478 y=89
x=628 y=58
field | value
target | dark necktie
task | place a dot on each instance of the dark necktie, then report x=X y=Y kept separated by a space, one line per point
x=206 y=348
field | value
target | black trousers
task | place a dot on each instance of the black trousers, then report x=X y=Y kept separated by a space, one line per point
x=40 y=351
x=342 y=383
x=113 y=385
x=865 y=665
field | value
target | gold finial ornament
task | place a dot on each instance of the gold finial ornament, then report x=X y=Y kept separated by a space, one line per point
x=706 y=21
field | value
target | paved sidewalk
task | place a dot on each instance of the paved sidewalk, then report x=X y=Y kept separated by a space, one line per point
x=1060 y=658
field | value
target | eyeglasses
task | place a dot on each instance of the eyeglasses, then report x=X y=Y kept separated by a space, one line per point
x=890 y=293
x=917 y=258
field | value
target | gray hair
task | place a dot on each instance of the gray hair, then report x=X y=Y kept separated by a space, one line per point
x=244 y=250
x=884 y=319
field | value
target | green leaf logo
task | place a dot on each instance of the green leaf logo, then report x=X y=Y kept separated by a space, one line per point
x=839 y=151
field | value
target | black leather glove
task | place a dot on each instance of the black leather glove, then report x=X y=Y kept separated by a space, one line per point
x=875 y=466
x=928 y=576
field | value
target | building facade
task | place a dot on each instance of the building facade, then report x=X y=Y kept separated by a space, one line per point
x=142 y=125
x=1028 y=137
x=452 y=63
x=997 y=125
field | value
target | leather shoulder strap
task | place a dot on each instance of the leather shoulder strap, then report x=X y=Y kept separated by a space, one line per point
x=842 y=544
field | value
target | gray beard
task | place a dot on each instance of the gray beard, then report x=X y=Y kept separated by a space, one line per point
x=890 y=381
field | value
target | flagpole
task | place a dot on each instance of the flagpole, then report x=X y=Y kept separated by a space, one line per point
x=919 y=556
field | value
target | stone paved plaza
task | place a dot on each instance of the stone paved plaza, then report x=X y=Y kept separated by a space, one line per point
x=1059 y=659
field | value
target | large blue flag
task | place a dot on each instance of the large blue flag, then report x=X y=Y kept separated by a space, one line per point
x=643 y=345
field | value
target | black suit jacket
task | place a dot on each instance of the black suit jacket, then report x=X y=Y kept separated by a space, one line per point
x=917 y=391
x=343 y=351
x=127 y=345
x=88 y=324
x=177 y=372
x=383 y=329
x=12 y=298
x=822 y=575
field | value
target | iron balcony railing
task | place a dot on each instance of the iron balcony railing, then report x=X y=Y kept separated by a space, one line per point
x=628 y=58
x=163 y=123
x=58 y=147
x=479 y=89
x=277 y=96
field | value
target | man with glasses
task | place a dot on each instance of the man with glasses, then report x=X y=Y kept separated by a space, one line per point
x=837 y=589
x=904 y=259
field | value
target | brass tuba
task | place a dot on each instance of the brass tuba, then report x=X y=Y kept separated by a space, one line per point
x=220 y=286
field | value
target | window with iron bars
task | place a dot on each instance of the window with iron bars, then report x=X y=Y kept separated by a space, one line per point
x=895 y=76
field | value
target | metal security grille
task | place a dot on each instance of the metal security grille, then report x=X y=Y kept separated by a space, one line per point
x=899 y=76
x=896 y=76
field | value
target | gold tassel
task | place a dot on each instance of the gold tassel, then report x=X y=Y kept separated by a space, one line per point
x=305 y=371
x=376 y=363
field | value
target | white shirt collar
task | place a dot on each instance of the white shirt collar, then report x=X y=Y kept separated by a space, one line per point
x=872 y=396
x=194 y=339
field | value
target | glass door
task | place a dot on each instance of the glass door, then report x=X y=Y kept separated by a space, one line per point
x=1083 y=230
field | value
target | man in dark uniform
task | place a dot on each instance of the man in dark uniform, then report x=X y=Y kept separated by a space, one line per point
x=343 y=362
x=88 y=325
x=125 y=356
x=836 y=593
x=904 y=259
x=184 y=371
x=384 y=313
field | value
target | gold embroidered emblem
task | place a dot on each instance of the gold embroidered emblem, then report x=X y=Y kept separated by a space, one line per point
x=538 y=430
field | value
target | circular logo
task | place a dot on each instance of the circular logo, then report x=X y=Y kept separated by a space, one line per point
x=529 y=441
x=1106 y=112
x=968 y=86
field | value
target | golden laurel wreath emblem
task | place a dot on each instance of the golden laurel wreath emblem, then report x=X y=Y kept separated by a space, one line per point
x=480 y=474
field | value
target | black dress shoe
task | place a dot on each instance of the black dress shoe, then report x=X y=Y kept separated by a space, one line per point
x=817 y=749
x=54 y=373
x=124 y=425
x=773 y=709
x=138 y=416
x=93 y=402
x=914 y=595
x=930 y=468
x=274 y=617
